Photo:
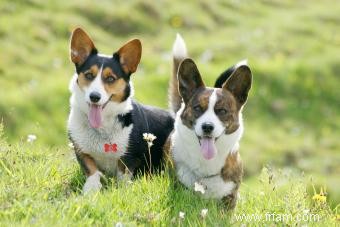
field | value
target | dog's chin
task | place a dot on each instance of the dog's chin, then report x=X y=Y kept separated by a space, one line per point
x=207 y=146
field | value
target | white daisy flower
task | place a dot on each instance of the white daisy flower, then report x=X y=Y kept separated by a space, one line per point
x=31 y=138
x=204 y=213
x=181 y=215
x=149 y=137
x=119 y=224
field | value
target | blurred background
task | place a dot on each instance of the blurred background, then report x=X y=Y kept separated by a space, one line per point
x=292 y=117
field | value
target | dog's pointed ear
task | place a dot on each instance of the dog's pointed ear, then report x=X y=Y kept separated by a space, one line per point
x=130 y=55
x=81 y=46
x=189 y=79
x=239 y=83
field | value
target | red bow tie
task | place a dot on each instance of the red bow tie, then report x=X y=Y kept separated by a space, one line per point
x=108 y=147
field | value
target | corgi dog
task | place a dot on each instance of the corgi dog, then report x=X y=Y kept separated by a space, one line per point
x=208 y=126
x=105 y=124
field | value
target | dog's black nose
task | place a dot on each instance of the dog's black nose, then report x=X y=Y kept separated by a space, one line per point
x=94 y=96
x=207 y=127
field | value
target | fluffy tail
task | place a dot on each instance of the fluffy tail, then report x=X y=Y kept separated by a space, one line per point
x=179 y=52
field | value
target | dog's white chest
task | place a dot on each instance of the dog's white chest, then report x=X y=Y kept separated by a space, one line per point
x=105 y=145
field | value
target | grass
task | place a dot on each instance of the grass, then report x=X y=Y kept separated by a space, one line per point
x=42 y=187
x=292 y=116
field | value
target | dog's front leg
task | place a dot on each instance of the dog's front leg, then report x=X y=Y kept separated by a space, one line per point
x=216 y=187
x=185 y=175
x=92 y=173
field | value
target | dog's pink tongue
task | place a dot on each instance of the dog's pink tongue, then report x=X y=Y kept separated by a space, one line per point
x=208 y=147
x=95 y=116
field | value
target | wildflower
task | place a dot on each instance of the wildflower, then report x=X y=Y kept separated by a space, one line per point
x=337 y=217
x=199 y=188
x=31 y=138
x=70 y=145
x=119 y=224
x=204 y=213
x=262 y=193
x=321 y=197
x=181 y=215
x=149 y=137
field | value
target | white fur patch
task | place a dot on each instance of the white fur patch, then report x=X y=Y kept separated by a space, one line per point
x=216 y=187
x=105 y=55
x=242 y=62
x=179 y=49
x=92 y=183
x=211 y=117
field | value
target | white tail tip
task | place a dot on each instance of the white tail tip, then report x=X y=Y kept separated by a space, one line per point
x=179 y=49
x=243 y=62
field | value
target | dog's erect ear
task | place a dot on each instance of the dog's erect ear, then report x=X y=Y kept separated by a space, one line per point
x=227 y=73
x=224 y=77
x=129 y=55
x=189 y=79
x=239 y=83
x=81 y=46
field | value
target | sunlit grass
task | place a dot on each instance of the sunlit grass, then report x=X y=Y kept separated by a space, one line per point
x=42 y=186
x=291 y=117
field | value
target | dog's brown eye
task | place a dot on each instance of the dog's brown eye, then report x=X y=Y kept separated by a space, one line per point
x=89 y=76
x=198 y=108
x=110 y=79
x=221 y=111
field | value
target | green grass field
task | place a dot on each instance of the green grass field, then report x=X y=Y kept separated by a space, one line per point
x=292 y=116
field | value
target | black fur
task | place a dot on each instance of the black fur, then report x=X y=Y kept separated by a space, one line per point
x=113 y=63
x=125 y=119
x=127 y=91
x=223 y=77
x=146 y=119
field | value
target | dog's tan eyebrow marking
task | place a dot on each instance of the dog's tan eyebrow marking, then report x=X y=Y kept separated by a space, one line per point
x=93 y=70
x=82 y=81
x=108 y=72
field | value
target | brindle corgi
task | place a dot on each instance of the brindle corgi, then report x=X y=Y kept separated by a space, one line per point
x=208 y=126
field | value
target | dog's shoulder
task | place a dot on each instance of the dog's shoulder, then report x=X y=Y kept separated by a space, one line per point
x=152 y=117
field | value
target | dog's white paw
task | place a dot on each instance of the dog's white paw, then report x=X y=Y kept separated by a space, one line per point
x=216 y=187
x=92 y=183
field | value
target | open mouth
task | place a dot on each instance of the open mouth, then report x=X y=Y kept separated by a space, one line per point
x=208 y=147
x=95 y=114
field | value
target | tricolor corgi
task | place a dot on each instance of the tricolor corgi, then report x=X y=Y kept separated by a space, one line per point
x=208 y=126
x=105 y=124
